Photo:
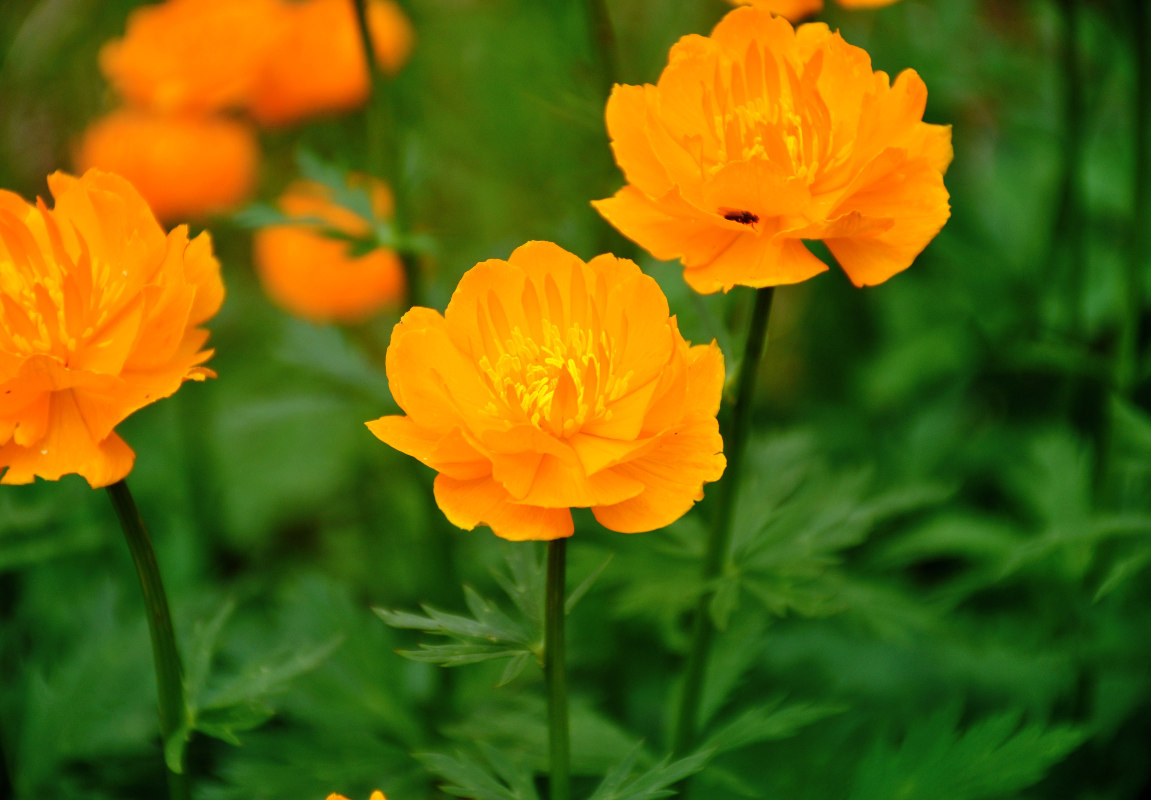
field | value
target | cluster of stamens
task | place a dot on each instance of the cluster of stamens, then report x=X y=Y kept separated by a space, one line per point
x=50 y=308
x=557 y=383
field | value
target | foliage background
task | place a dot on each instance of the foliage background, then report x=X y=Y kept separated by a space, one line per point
x=939 y=584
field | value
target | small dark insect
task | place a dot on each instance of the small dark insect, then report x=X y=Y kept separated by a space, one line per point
x=742 y=217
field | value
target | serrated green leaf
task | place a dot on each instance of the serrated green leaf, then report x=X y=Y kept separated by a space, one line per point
x=515 y=666
x=467 y=777
x=225 y=723
x=202 y=648
x=335 y=179
x=578 y=593
x=455 y=655
x=262 y=215
x=995 y=757
x=255 y=681
x=652 y=783
x=768 y=721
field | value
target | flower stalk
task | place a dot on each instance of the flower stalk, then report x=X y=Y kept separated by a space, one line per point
x=169 y=673
x=603 y=37
x=1069 y=232
x=1128 y=360
x=383 y=145
x=735 y=445
x=555 y=672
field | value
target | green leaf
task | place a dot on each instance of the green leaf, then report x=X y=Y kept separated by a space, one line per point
x=489 y=633
x=1123 y=570
x=995 y=757
x=258 y=680
x=499 y=778
x=455 y=655
x=263 y=215
x=353 y=198
x=202 y=646
x=578 y=593
x=618 y=783
x=174 y=747
x=768 y=721
x=515 y=666
x=515 y=720
x=797 y=518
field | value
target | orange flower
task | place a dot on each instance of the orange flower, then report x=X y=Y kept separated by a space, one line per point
x=318 y=66
x=761 y=136
x=193 y=55
x=184 y=167
x=315 y=275
x=551 y=384
x=798 y=9
x=100 y=316
x=376 y=795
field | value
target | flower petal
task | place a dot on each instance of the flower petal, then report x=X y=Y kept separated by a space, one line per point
x=483 y=501
x=68 y=447
x=673 y=474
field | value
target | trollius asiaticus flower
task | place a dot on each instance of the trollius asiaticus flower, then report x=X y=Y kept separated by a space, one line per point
x=99 y=316
x=761 y=136
x=551 y=384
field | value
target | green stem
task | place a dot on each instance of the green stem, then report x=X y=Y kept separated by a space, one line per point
x=169 y=674
x=1128 y=361
x=603 y=37
x=555 y=672
x=7 y=786
x=735 y=446
x=1069 y=230
x=383 y=149
x=374 y=145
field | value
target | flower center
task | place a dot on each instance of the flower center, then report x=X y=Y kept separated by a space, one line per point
x=33 y=310
x=768 y=128
x=556 y=383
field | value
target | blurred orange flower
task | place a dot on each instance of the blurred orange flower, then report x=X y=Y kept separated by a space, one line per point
x=193 y=55
x=315 y=275
x=551 y=384
x=376 y=795
x=184 y=167
x=318 y=66
x=100 y=316
x=798 y=9
x=761 y=136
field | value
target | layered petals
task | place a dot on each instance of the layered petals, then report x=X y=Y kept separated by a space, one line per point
x=309 y=268
x=551 y=384
x=762 y=136
x=100 y=315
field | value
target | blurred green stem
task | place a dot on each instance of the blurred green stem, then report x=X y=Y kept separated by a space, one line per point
x=383 y=145
x=1127 y=368
x=7 y=787
x=603 y=37
x=735 y=447
x=1069 y=229
x=169 y=674
x=555 y=672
